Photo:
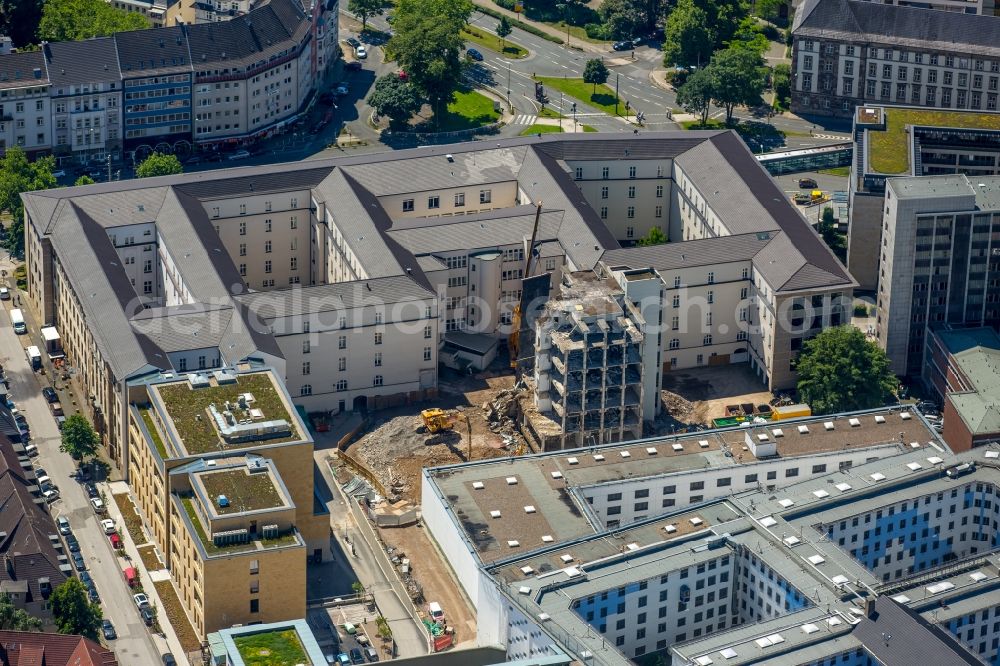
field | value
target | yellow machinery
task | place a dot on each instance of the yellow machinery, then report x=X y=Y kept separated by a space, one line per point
x=513 y=340
x=436 y=420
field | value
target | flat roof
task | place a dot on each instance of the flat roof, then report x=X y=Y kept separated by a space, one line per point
x=185 y=410
x=244 y=491
x=889 y=149
x=976 y=352
x=545 y=482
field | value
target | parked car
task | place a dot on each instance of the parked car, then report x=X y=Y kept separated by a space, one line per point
x=343 y=659
x=147 y=616
x=60 y=421
x=341 y=90
x=95 y=598
x=50 y=394
x=64 y=527
x=86 y=579
x=98 y=504
x=31 y=450
x=108 y=526
x=141 y=600
x=353 y=42
x=361 y=52
x=353 y=66
x=808 y=183
x=59 y=173
x=57 y=408
x=79 y=562
x=50 y=495
x=371 y=653
x=238 y=155
x=168 y=660
x=474 y=54
x=624 y=45
x=4 y=294
x=108 y=630
x=356 y=656
x=72 y=544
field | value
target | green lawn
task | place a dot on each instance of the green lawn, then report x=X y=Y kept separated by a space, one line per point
x=492 y=42
x=575 y=31
x=147 y=417
x=547 y=112
x=889 y=150
x=588 y=128
x=469 y=110
x=541 y=129
x=603 y=98
x=271 y=648
x=710 y=125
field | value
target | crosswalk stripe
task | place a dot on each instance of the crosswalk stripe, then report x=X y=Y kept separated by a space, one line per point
x=524 y=119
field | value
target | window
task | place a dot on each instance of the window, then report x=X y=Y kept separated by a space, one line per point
x=342 y=386
x=711 y=277
x=604 y=192
x=434 y=202
x=267 y=247
x=631 y=172
x=342 y=342
x=377 y=381
x=294 y=222
x=604 y=212
x=306 y=347
x=243 y=270
x=630 y=212
x=629 y=232
x=243 y=209
x=306 y=389
x=675 y=343
x=267 y=225
x=342 y=363
x=147 y=287
x=243 y=228
x=631 y=191
x=243 y=249
x=427 y=353
x=427 y=332
x=459 y=199
x=659 y=191
x=711 y=296
x=407 y=205
x=378 y=359
x=605 y=173
x=306 y=367
x=485 y=196
x=267 y=266
x=378 y=337
x=579 y=173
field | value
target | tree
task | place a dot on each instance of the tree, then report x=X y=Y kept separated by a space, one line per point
x=654 y=237
x=158 y=164
x=768 y=9
x=78 y=438
x=688 y=40
x=750 y=35
x=595 y=72
x=384 y=630
x=724 y=16
x=695 y=96
x=782 y=78
x=365 y=9
x=623 y=19
x=841 y=370
x=72 y=20
x=737 y=78
x=15 y=619
x=503 y=31
x=84 y=180
x=18 y=175
x=428 y=46
x=18 y=19
x=72 y=611
x=358 y=587
x=395 y=98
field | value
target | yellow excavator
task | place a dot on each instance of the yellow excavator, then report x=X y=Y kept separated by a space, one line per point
x=513 y=340
x=438 y=421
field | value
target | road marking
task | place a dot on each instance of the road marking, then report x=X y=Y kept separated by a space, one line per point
x=524 y=119
x=836 y=137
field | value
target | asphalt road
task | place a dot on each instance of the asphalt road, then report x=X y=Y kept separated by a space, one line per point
x=134 y=644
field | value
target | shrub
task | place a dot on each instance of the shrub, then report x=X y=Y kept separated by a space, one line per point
x=772 y=33
x=597 y=31
x=860 y=310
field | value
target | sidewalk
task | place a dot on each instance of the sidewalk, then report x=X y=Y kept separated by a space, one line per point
x=573 y=42
x=173 y=644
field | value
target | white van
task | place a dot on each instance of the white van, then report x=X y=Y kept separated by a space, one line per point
x=17 y=321
x=35 y=357
x=31 y=450
x=43 y=482
x=436 y=612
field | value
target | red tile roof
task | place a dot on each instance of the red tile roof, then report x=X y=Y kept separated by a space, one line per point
x=28 y=648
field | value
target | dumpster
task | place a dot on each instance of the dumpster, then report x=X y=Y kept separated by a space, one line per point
x=790 y=412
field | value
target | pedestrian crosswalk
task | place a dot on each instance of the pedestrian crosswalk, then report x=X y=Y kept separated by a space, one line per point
x=524 y=119
x=833 y=137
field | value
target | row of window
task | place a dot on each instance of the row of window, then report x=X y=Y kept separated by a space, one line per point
x=434 y=201
x=606 y=172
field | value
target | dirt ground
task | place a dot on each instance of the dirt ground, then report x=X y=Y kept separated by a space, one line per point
x=395 y=448
x=695 y=397
x=434 y=576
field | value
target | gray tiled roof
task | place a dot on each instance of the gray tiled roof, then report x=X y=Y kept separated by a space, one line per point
x=463 y=233
x=150 y=52
x=701 y=252
x=183 y=327
x=897 y=636
x=73 y=63
x=17 y=70
x=878 y=23
x=246 y=39
x=337 y=296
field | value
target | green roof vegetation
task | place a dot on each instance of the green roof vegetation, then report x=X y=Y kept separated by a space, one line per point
x=271 y=648
x=245 y=492
x=889 y=151
x=147 y=417
x=284 y=540
x=188 y=410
